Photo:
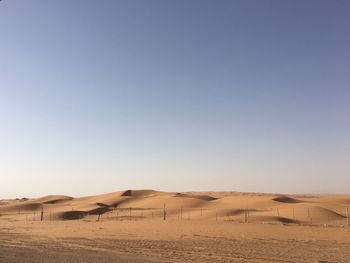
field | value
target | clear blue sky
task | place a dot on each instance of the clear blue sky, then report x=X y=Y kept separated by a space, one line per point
x=99 y=96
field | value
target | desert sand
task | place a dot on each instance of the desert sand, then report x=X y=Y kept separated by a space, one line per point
x=153 y=226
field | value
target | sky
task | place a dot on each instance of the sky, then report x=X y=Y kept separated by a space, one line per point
x=241 y=95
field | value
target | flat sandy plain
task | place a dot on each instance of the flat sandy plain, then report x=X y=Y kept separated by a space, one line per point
x=129 y=226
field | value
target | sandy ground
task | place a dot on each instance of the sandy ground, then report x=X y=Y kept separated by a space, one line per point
x=170 y=241
x=207 y=227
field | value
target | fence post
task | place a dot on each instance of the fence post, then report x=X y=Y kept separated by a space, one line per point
x=181 y=213
x=164 y=213
x=42 y=214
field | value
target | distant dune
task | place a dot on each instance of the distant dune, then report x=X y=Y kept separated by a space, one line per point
x=234 y=206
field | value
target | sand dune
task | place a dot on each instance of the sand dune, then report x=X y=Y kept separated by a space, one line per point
x=286 y=199
x=235 y=206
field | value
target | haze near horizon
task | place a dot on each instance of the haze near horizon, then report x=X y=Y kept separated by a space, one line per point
x=97 y=97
